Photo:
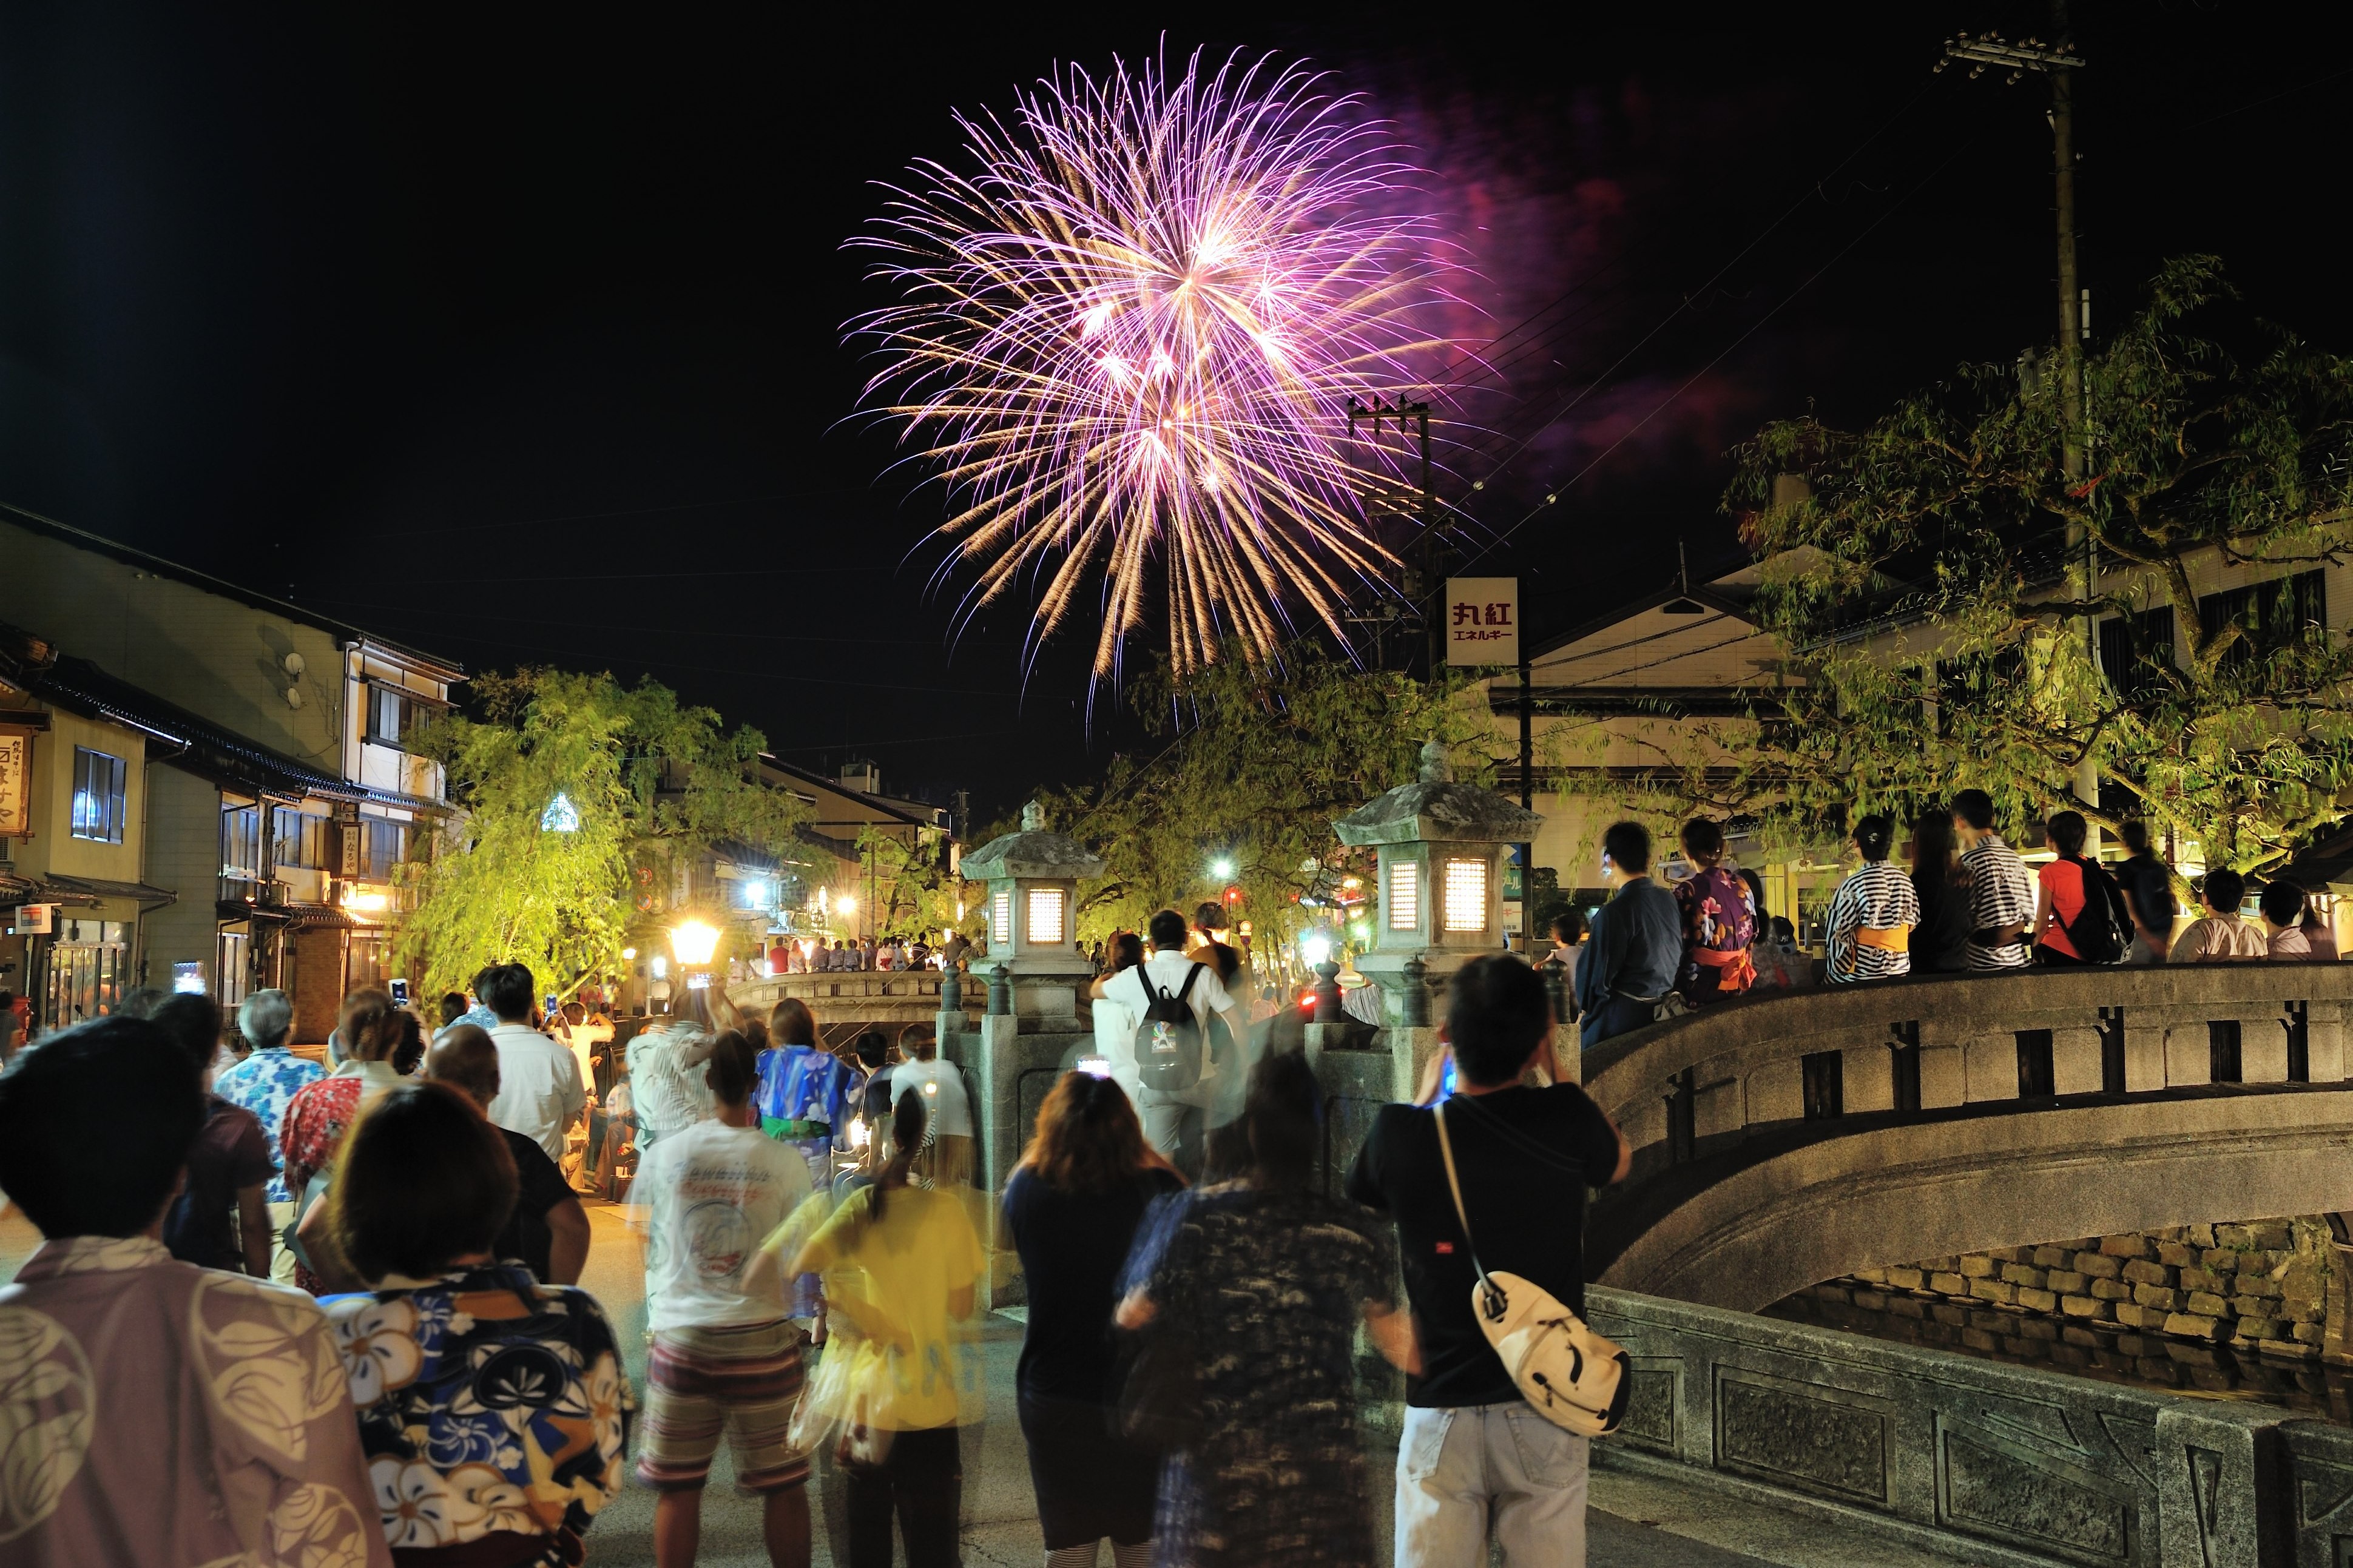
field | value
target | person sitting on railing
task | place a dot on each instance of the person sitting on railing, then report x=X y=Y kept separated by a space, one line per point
x=2283 y=906
x=1940 y=942
x=2002 y=893
x=1719 y=918
x=1872 y=913
x=1628 y=969
x=2222 y=937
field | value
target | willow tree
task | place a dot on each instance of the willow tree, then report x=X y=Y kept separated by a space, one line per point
x=1925 y=581
x=578 y=796
x=1253 y=763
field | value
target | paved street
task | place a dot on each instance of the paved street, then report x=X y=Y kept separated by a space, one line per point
x=1635 y=1523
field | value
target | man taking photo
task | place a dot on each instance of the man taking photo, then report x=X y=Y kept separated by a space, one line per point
x=1472 y=1448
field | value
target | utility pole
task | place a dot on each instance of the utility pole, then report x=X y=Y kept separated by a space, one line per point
x=2059 y=63
x=1422 y=585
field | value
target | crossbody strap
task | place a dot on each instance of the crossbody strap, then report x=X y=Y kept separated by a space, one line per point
x=1493 y=1299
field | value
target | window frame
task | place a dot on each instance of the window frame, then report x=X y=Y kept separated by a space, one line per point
x=103 y=821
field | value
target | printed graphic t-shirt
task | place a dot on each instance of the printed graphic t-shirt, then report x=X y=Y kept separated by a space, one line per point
x=716 y=1192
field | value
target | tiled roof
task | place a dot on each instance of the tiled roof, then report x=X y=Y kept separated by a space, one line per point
x=206 y=749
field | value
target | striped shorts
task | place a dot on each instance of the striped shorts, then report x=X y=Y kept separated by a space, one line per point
x=740 y=1381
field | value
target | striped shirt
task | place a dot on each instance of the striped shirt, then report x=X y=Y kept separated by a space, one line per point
x=2002 y=893
x=1877 y=896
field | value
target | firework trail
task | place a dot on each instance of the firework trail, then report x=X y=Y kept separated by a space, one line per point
x=1130 y=326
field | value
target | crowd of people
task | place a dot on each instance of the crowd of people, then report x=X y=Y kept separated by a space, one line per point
x=310 y=1310
x=1966 y=902
x=352 y=1286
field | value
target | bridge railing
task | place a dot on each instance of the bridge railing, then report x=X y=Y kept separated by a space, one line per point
x=863 y=996
x=1927 y=1043
x=1970 y=1459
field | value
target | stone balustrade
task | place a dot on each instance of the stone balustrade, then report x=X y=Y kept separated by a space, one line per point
x=1934 y=1042
x=1983 y=1462
x=860 y=996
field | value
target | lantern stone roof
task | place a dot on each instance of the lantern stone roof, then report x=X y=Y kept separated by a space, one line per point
x=1035 y=851
x=1435 y=809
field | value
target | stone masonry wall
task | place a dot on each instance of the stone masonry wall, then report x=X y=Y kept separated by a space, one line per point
x=2261 y=1286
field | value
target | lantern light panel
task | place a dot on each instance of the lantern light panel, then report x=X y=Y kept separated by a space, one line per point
x=1466 y=895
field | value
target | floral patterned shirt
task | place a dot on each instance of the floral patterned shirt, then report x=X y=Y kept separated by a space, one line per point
x=487 y=1402
x=152 y=1411
x=264 y=1083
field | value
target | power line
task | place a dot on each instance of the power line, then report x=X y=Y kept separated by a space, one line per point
x=1553 y=492
x=1813 y=188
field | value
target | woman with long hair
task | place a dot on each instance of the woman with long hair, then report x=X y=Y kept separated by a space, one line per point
x=727 y=1354
x=1073 y=1208
x=491 y=1408
x=1940 y=942
x=901 y=1263
x=1115 y=1021
x=1271 y=1278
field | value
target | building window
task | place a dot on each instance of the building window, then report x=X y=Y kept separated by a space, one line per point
x=2270 y=615
x=98 y=796
x=393 y=715
x=232 y=961
x=1000 y=916
x=240 y=842
x=1045 y=917
x=300 y=841
x=383 y=844
x=1405 y=895
x=1466 y=895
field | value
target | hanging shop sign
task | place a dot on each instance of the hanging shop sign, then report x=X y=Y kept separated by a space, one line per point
x=16 y=781
x=1483 y=620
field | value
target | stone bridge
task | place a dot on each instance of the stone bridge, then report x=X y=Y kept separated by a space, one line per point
x=849 y=1001
x=1782 y=1139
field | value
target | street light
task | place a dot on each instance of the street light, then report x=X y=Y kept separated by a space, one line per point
x=1221 y=868
x=694 y=943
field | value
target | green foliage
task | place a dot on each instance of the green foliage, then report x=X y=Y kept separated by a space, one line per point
x=1257 y=762
x=1926 y=591
x=655 y=784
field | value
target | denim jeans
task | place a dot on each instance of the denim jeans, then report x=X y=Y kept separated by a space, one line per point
x=1458 y=1469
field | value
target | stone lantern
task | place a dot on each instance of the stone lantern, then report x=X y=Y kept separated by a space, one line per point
x=1033 y=910
x=1441 y=848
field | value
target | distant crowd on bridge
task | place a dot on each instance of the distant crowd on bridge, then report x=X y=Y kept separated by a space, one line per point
x=1966 y=903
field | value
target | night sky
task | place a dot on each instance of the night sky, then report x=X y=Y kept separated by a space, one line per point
x=520 y=341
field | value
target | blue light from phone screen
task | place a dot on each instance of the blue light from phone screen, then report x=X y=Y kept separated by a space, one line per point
x=1446 y=1079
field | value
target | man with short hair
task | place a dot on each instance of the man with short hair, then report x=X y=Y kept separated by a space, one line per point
x=263 y=1083
x=1163 y=974
x=1472 y=1448
x=181 y=1413
x=540 y=1092
x=2149 y=894
x=2222 y=937
x=548 y=1230
x=2002 y=892
x=1628 y=965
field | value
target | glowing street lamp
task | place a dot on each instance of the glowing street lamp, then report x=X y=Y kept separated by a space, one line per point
x=693 y=941
x=1222 y=869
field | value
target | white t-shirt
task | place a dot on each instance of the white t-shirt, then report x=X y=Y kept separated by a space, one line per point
x=715 y=1192
x=539 y=1088
x=1166 y=972
x=942 y=1087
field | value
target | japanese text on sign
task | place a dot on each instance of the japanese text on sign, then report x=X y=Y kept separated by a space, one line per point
x=1483 y=620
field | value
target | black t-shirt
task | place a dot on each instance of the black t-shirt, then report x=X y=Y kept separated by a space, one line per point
x=1073 y=1247
x=539 y=1187
x=1526 y=1209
